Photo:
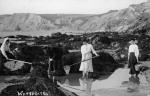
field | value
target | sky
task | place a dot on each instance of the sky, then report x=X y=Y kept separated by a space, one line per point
x=63 y=6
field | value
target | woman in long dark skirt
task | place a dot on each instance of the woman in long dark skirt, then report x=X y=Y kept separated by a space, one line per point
x=133 y=57
x=132 y=63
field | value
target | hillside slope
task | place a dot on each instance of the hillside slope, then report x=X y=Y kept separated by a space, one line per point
x=131 y=19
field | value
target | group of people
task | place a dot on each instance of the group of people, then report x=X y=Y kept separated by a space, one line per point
x=87 y=50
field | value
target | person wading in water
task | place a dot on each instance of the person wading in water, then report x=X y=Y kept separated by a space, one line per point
x=86 y=51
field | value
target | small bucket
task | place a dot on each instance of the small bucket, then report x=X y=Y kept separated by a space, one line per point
x=67 y=69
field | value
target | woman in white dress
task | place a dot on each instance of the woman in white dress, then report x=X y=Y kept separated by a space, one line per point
x=86 y=51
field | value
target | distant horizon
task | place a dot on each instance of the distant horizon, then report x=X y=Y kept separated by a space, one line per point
x=8 y=7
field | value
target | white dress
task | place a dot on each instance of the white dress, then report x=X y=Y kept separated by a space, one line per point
x=86 y=51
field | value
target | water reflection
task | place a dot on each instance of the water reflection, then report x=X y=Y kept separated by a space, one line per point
x=71 y=79
x=86 y=84
x=134 y=82
x=75 y=82
x=119 y=80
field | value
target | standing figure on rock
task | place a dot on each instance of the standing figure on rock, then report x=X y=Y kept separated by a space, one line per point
x=133 y=54
x=86 y=51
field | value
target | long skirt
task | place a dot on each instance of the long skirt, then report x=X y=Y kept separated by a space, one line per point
x=87 y=66
x=132 y=63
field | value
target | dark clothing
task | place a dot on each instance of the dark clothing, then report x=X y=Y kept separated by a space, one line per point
x=9 y=55
x=132 y=63
x=3 y=59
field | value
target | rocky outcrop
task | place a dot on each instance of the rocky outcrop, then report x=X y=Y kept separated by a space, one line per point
x=38 y=83
x=25 y=22
x=105 y=63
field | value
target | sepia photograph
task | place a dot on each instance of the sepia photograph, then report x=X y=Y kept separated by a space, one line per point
x=74 y=47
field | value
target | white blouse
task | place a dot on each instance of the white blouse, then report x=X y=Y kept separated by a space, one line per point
x=134 y=48
x=87 y=49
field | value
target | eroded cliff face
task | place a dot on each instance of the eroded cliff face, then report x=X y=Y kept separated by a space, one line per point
x=135 y=17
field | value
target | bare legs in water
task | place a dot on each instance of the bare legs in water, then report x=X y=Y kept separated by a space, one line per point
x=85 y=74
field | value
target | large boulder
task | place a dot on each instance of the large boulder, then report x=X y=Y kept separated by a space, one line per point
x=42 y=54
x=71 y=59
x=103 y=64
x=30 y=53
x=34 y=54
